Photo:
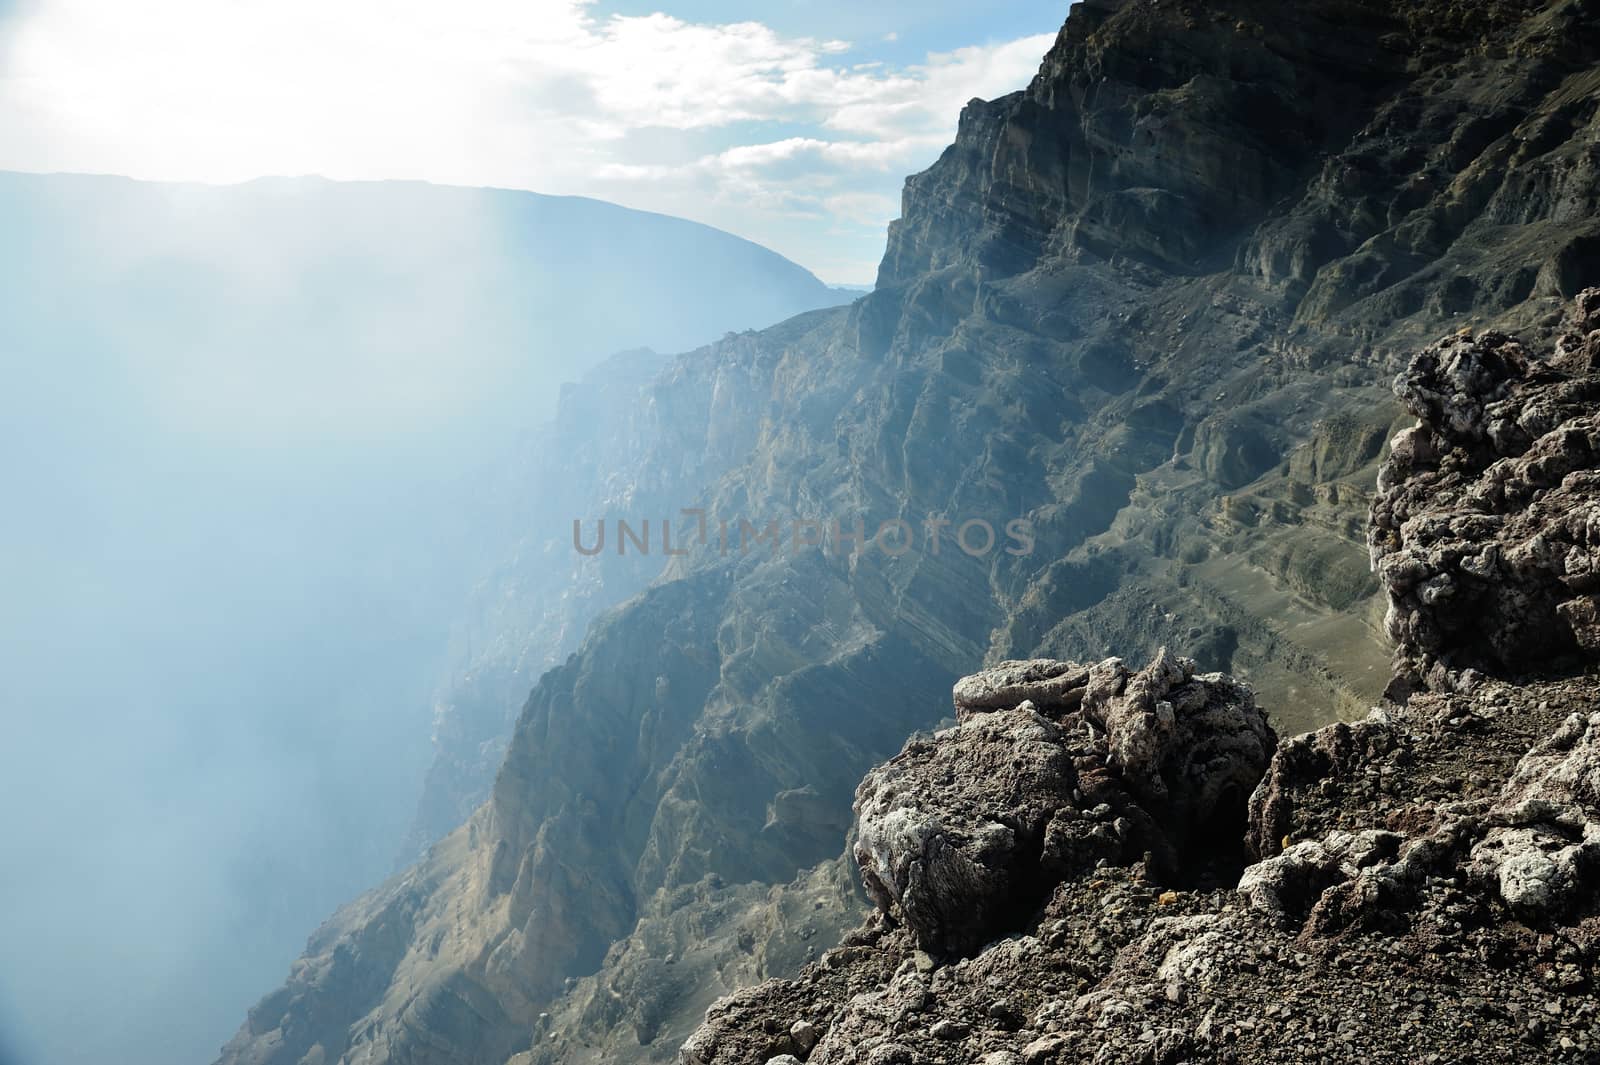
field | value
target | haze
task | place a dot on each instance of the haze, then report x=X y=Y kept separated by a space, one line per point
x=248 y=442
x=257 y=433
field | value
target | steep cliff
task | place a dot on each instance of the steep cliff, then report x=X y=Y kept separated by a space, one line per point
x=1150 y=305
x=1422 y=883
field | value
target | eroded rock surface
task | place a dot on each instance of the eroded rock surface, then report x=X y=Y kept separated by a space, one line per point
x=951 y=832
x=1424 y=883
x=1486 y=529
x=1432 y=892
x=958 y=832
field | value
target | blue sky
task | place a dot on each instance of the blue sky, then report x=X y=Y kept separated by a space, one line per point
x=916 y=29
x=791 y=123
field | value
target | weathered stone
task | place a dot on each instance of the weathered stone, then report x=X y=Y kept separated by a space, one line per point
x=1542 y=851
x=1192 y=745
x=945 y=832
x=960 y=830
x=1486 y=529
x=805 y=1035
x=1286 y=887
x=1048 y=684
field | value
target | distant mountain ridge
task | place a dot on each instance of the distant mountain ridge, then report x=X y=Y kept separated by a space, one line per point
x=578 y=278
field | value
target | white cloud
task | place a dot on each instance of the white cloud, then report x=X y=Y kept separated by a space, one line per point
x=652 y=111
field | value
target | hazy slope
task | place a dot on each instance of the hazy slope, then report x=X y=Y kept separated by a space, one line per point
x=1153 y=303
x=249 y=443
x=1129 y=868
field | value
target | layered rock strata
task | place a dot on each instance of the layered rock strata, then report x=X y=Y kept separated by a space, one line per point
x=1424 y=883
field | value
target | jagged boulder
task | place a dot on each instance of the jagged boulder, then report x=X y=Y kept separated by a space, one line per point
x=963 y=833
x=1541 y=849
x=1320 y=759
x=1485 y=532
x=949 y=833
x=1191 y=746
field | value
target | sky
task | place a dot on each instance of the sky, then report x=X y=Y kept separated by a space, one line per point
x=792 y=123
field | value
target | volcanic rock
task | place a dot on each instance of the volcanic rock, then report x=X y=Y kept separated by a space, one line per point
x=1486 y=529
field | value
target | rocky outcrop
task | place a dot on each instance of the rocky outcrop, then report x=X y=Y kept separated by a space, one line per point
x=1436 y=897
x=1486 y=530
x=957 y=833
x=1111 y=311
x=943 y=858
x=1468 y=900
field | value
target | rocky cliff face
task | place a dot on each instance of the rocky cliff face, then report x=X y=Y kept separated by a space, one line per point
x=1149 y=305
x=1051 y=876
